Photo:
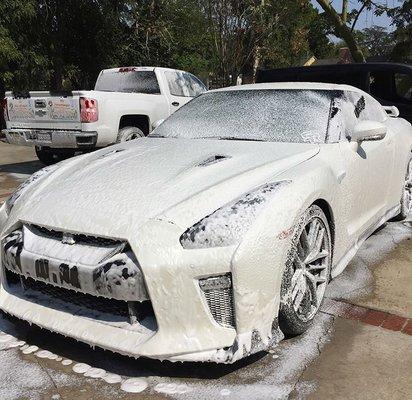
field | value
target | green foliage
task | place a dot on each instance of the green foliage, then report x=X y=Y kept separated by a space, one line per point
x=402 y=20
x=63 y=44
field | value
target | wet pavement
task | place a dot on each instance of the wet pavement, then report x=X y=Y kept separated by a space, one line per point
x=354 y=350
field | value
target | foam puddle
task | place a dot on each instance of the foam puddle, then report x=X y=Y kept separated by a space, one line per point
x=112 y=378
x=134 y=385
x=172 y=388
x=131 y=385
x=81 y=368
x=95 y=373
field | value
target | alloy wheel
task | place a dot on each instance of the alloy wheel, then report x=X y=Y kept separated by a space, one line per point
x=310 y=262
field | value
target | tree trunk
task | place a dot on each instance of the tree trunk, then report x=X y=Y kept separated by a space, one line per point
x=344 y=11
x=343 y=30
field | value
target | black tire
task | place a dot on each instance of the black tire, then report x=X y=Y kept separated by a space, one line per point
x=52 y=156
x=304 y=280
x=129 y=133
x=406 y=199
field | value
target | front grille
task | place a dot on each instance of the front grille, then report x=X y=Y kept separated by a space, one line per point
x=78 y=238
x=218 y=292
x=120 y=308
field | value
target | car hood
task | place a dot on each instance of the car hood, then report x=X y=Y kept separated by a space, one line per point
x=113 y=191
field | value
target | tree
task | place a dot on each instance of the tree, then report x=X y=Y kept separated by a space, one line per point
x=376 y=41
x=402 y=20
x=343 y=30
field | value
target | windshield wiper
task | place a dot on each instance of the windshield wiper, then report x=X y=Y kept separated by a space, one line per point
x=238 y=138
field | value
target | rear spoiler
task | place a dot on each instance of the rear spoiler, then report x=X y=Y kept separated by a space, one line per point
x=392 y=111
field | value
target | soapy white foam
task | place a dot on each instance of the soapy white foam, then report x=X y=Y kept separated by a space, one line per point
x=172 y=388
x=134 y=385
x=67 y=362
x=30 y=349
x=46 y=354
x=112 y=378
x=225 y=392
x=95 y=373
x=81 y=368
x=5 y=338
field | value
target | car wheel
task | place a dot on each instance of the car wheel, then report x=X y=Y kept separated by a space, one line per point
x=129 y=133
x=307 y=272
x=406 y=200
x=51 y=156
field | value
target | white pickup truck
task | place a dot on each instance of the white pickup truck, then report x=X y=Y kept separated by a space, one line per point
x=126 y=103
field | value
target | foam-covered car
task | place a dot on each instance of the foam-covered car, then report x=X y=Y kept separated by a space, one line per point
x=217 y=233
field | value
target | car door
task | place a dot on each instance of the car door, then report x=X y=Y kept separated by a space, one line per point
x=380 y=157
x=368 y=167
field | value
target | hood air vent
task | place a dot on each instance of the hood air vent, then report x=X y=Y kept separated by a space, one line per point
x=213 y=160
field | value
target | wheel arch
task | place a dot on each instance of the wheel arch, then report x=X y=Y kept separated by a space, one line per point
x=327 y=209
x=141 y=121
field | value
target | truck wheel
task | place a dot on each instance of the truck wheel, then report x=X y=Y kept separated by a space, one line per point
x=129 y=133
x=52 y=156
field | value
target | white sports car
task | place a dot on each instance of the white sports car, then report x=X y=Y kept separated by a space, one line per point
x=210 y=237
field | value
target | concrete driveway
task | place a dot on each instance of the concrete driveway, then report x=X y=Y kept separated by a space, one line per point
x=358 y=348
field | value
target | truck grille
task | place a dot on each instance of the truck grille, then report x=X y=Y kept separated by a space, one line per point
x=218 y=293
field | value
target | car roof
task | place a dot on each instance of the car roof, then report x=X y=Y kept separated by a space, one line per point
x=336 y=68
x=291 y=85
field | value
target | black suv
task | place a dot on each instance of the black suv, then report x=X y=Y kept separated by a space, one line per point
x=389 y=83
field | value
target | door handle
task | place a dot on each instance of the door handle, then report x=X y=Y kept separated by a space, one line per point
x=175 y=103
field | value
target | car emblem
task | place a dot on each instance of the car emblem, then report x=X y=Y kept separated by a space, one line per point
x=68 y=238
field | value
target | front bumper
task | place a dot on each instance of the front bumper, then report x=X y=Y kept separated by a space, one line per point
x=184 y=327
x=63 y=139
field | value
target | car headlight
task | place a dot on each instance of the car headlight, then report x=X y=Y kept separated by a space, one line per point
x=227 y=225
x=26 y=184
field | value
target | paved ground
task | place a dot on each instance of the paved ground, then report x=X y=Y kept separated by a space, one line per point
x=358 y=348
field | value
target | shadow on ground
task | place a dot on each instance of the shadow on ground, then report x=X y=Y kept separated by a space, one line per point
x=115 y=363
x=27 y=167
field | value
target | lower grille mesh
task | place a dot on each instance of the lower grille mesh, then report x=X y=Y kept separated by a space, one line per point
x=218 y=292
x=94 y=303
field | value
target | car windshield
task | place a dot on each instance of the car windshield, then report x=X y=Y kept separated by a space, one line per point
x=299 y=116
x=129 y=81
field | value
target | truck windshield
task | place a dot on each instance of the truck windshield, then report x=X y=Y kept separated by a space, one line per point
x=299 y=116
x=128 y=82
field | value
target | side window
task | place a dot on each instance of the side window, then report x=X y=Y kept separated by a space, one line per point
x=180 y=84
x=403 y=86
x=380 y=84
x=347 y=109
x=196 y=85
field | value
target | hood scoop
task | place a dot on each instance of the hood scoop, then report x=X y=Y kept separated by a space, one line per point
x=213 y=160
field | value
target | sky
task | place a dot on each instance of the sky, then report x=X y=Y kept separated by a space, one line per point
x=367 y=18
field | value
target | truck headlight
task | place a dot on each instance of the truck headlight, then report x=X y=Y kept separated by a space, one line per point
x=26 y=184
x=227 y=225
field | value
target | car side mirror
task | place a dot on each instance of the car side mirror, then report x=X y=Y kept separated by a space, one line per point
x=367 y=131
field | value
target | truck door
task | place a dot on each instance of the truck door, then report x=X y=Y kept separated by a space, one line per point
x=182 y=88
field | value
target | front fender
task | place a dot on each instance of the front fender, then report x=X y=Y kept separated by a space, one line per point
x=258 y=263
